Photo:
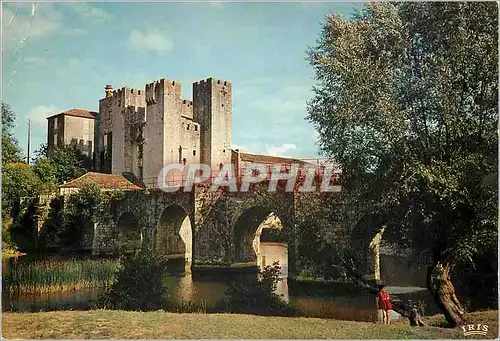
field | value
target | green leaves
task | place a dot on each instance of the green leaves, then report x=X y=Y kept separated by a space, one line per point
x=11 y=152
x=406 y=102
x=139 y=284
x=18 y=181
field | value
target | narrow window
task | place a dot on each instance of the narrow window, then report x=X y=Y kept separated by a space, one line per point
x=188 y=127
x=194 y=152
x=195 y=128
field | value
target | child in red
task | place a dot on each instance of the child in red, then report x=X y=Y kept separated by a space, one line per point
x=384 y=303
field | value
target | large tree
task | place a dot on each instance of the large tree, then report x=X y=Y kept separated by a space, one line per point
x=406 y=103
x=11 y=152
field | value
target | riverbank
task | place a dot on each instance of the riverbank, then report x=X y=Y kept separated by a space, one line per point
x=100 y=324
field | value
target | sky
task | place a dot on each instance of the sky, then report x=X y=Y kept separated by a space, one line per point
x=58 y=56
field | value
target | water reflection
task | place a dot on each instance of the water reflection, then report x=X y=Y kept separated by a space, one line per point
x=339 y=301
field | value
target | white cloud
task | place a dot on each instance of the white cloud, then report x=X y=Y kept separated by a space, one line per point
x=39 y=114
x=24 y=21
x=152 y=40
x=280 y=150
x=91 y=15
x=259 y=148
x=19 y=24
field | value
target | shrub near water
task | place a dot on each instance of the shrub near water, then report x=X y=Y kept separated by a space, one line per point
x=256 y=297
x=57 y=275
x=138 y=284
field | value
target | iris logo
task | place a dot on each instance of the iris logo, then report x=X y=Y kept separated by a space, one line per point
x=475 y=329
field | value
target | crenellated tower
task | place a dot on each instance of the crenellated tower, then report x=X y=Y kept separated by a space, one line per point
x=141 y=131
x=212 y=108
x=120 y=113
x=162 y=131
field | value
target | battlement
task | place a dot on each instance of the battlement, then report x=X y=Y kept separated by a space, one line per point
x=187 y=108
x=211 y=81
x=158 y=87
x=119 y=93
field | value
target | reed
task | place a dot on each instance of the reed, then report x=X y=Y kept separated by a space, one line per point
x=189 y=307
x=59 y=275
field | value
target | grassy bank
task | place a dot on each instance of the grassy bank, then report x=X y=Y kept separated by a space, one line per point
x=58 y=275
x=99 y=324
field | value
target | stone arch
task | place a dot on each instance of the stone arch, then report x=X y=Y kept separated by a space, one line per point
x=247 y=232
x=129 y=234
x=174 y=234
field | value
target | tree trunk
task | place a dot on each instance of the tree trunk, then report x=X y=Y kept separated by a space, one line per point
x=443 y=292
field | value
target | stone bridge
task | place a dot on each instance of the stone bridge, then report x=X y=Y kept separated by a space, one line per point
x=218 y=228
x=200 y=227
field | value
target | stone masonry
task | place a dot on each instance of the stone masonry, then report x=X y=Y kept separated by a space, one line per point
x=140 y=131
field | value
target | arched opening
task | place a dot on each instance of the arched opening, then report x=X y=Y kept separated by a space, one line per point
x=256 y=226
x=259 y=239
x=174 y=236
x=129 y=233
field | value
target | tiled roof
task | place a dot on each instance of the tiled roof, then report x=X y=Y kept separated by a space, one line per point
x=105 y=181
x=260 y=158
x=77 y=113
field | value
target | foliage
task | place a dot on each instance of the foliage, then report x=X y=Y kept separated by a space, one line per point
x=317 y=215
x=46 y=171
x=18 y=181
x=7 y=241
x=272 y=235
x=82 y=209
x=23 y=230
x=256 y=297
x=407 y=105
x=52 y=225
x=64 y=164
x=57 y=275
x=11 y=152
x=139 y=283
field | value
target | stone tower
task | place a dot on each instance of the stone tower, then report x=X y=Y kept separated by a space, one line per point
x=162 y=132
x=212 y=109
x=120 y=112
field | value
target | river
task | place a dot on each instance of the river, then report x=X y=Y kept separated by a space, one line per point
x=332 y=300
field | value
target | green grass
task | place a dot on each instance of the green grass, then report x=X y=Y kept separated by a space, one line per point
x=100 y=324
x=57 y=275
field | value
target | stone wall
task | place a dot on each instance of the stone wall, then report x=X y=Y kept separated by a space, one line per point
x=190 y=141
x=147 y=206
x=79 y=132
x=212 y=108
x=116 y=113
x=212 y=217
x=217 y=216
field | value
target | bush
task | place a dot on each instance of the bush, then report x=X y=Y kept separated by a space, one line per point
x=138 y=284
x=256 y=297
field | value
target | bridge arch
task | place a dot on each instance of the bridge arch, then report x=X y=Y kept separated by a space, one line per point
x=173 y=236
x=129 y=233
x=248 y=230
